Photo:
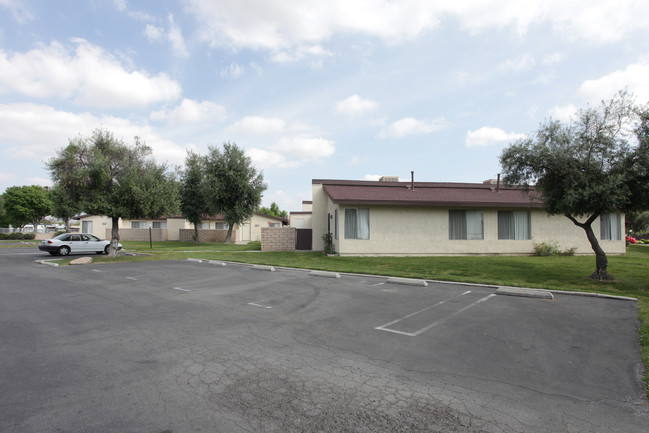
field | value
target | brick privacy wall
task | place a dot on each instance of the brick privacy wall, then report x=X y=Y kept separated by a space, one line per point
x=157 y=235
x=278 y=238
x=187 y=235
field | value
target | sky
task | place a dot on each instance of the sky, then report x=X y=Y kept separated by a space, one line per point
x=336 y=89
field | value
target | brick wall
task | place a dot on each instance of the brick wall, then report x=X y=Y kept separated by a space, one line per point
x=157 y=235
x=278 y=238
x=187 y=235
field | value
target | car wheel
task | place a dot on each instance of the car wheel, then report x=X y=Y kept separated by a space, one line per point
x=106 y=249
x=64 y=251
x=99 y=252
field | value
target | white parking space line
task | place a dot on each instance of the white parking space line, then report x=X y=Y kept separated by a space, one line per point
x=258 y=305
x=181 y=289
x=435 y=323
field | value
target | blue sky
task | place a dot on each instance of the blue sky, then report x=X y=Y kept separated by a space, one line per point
x=339 y=89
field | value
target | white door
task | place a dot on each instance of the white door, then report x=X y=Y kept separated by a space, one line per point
x=245 y=234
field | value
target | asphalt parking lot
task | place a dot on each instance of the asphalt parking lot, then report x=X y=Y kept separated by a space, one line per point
x=186 y=347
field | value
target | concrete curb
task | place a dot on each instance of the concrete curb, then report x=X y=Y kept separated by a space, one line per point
x=214 y=262
x=263 y=268
x=47 y=263
x=189 y=259
x=408 y=281
x=526 y=293
x=325 y=274
x=593 y=295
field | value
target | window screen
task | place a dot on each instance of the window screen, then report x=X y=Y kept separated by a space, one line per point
x=514 y=225
x=465 y=224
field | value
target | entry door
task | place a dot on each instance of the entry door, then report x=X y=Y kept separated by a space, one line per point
x=245 y=235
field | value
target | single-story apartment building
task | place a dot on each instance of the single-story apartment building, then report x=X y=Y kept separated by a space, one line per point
x=211 y=228
x=392 y=218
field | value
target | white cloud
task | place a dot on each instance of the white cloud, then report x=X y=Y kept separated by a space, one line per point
x=519 y=64
x=283 y=28
x=355 y=105
x=563 y=113
x=552 y=58
x=304 y=147
x=88 y=76
x=39 y=181
x=6 y=177
x=153 y=33
x=410 y=126
x=487 y=136
x=234 y=70
x=32 y=131
x=120 y=4
x=293 y=152
x=176 y=39
x=633 y=77
x=190 y=111
x=262 y=159
x=257 y=125
x=19 y=11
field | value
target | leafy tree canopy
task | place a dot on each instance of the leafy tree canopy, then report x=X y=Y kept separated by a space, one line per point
x=193 y=203
x=596 y=164
x=26 y=204
x=235 y=187
x=110 y=178
x=64 y=206
x=273 y=210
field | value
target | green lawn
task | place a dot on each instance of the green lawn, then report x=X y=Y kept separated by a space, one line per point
x=558 y=273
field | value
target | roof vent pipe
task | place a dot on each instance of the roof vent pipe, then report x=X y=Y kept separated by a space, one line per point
x=498 y=183
x=412 y=180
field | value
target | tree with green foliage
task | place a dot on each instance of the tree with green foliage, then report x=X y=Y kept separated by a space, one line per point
x=110 y=178
x=64 y=206
x=594 y=165
x=26 y=204
x=637 y=222
x=273 y=210
x=2 y=210
x=235 y=187
x=193 y=204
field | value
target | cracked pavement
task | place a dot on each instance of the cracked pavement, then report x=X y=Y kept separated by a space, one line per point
x=169 y=347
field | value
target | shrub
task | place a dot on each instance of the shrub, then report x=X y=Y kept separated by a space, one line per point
x=29 y=236
x=328 y=243
x=3 y=236
x=551 y=248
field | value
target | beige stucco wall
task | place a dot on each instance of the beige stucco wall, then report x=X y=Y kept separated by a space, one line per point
x=99 y=225
x=305 y=217
x=422 y=230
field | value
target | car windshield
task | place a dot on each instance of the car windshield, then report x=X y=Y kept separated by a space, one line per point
x=63 y=237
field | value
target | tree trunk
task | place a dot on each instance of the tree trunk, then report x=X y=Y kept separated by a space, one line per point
x=196 y=233
x=67 y=225
x=229 y=235
x=601 y=261
x=114 y=238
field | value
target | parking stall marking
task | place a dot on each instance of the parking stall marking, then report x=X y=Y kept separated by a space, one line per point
x=436 y=322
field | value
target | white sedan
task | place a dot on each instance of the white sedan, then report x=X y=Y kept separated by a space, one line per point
x=68 y=243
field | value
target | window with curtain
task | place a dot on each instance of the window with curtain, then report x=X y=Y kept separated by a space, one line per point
x=159 y=224
x=357 y=223
x=465 y=224
x=610 y=227
x=203 y=226
x=514 y=225
x=221 y=226
x=138 y=224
